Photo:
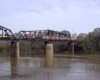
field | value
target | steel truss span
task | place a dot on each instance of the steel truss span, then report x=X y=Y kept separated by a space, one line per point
x=36 y=35
x=6 y=34
x=44 y=35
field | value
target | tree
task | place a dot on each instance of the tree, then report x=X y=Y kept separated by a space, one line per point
x=81 y=36
x=66 y=32
x=96 y=32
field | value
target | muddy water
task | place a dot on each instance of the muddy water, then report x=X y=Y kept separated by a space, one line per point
x=50 y=68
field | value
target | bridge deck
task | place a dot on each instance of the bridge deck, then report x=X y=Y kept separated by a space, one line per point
x=36 y=35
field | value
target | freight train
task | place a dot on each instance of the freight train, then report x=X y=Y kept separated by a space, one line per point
x=49 y=35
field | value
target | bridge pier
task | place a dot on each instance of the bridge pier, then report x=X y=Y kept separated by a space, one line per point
x=72 y=45
x=71 y=48
x=15 y=53
x=48 y=50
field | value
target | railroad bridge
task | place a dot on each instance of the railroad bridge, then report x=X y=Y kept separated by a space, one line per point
x=47 y=36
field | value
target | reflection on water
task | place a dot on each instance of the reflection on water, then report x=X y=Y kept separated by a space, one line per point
x=48 y=63
x=14 y=63
x=50 y=68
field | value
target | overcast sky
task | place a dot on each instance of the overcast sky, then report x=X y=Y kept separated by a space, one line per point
x=80 y=15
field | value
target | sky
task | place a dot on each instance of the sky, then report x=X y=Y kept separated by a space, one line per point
x=76 y=16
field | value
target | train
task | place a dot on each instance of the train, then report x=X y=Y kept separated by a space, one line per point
x=49 y=35
x=4 y=36
x=40 y=34
x=57 y=38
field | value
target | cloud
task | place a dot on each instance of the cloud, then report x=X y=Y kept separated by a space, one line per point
x=81 y=15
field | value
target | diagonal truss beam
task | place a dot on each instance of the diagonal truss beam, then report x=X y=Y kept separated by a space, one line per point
x=37 y=35
x=43 y=35
x=6 y=34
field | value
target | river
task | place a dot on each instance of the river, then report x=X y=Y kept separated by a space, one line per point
x=50 y=68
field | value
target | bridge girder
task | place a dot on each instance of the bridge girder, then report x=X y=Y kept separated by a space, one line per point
x=36 y=35
x=6 y=34
x=43 y=35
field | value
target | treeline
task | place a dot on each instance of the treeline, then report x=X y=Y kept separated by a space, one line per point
x=91 y=41
x=33 y=48
x=89 y=44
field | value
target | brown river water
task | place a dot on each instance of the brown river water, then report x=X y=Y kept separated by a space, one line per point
x=50 y=68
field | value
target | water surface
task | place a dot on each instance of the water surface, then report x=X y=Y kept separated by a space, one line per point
x=50 y=68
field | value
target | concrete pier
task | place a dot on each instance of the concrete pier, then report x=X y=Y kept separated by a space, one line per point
x=48 y=50
x=70 y=48
x=15 y=53
x=72 y=45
